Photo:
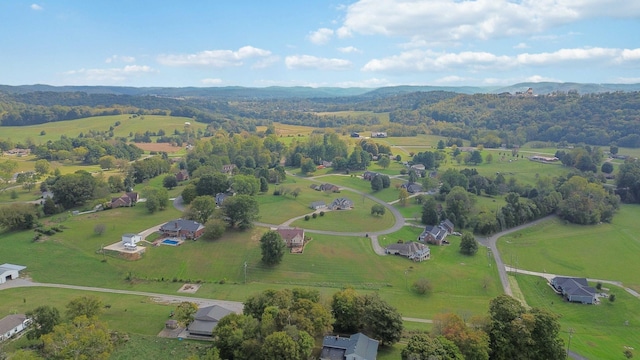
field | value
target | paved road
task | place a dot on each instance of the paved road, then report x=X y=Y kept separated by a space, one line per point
x=235 y=306
x=161 y=298
x=490 y=242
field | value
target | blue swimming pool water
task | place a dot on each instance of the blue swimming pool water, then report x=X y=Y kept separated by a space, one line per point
x=170 y=242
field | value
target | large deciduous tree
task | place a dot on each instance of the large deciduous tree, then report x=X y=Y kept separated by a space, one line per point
x=430 y=211
x=18 y=216
x=83 y=338
x=381 y=320
x=458 y=205
x=201 y=208
x=468 y=244
x=240 y=211
x=73 y=189
x=272 y=247
x=245 y=184
x=185 y=312
x=44 y=319
x=89 y=306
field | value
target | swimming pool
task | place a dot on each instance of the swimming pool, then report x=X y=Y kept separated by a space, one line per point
x=170 y=242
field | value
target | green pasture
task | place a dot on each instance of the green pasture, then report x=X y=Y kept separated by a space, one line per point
x=599 y=331
x=407 y=233
x=383 y=117
x=604 y=251
x=356 y=182
x=73 y=128
x=358 y=219
x=420 y=140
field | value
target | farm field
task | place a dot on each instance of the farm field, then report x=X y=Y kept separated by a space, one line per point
x=604 y=251
x=73 y=128
x=599 y=331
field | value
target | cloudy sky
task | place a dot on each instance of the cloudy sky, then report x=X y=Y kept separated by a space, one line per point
x=365 y=43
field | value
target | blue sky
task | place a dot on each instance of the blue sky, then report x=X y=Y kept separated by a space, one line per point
x=366 y=43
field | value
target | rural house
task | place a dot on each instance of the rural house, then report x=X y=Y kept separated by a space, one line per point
x=318 y=205
x=369 y=175
x=412 y=188
x=126 y=200
x=412 y=250
x=329 y=187
x=206 y=319
x=356 y=347
x=182 y=175
x=294 y=237
x=228 y=169
x=220 y=198
x=183 y=229
x=437 y=235
x=341 y=204
x=10 y=272
x=574 y=289
x=11 y=325
x=130 y=241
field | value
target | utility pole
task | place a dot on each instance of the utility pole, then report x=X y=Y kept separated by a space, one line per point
x=245 y=272
x=569 y=343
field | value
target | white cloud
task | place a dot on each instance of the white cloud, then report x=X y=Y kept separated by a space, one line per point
x=349 y=49
x=214 y=58
x=120 y=58
x=313 y=62
x=521 y=46
x=36 y=7
x=320 y=36
x=111 y=75
x=211 y=81
x=483 y=19
x=428 y=60
x=563 y=55
x=626 y=80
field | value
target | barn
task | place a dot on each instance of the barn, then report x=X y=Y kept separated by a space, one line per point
x=10 y=272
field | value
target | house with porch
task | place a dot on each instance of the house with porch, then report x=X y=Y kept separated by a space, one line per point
x=341 y=204
x=183 y=229
x=126 y=200
x=293 y=237
x=574 y=289
x=182 y=175
x=356 y=347
x=12 y=325
x=412 y=250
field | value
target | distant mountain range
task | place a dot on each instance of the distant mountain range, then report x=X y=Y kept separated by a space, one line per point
x=277 y=92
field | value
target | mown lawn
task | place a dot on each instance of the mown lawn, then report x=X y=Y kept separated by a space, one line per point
x=599 y=331
x=358 y=219
x=359 y=184
x=604 y=251
x=73 y=128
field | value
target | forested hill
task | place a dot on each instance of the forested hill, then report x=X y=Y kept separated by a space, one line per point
x=489 y=119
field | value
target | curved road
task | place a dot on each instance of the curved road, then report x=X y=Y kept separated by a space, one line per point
x=490 y=243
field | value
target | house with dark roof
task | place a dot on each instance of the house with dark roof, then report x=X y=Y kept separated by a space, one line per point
x=412 y=250
x=10 y=272
x=574 y=289
x=11 y=325
x=220 y=198
x=341 y=204
x=329 y=187
x=356 y=347
x=369 y=175
x=412 y=188
x=437 y=235
x=206 y=319
x=182 y=175
x=126 y=200
x=181 y=228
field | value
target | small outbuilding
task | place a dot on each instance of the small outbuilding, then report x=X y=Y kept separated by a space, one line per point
x=10 y=272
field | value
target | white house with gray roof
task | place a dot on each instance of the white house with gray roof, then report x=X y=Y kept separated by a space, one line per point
x=356 y=347
x=13 y=324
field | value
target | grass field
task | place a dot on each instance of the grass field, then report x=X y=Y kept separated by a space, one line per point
x=604 y=251
x=357 y=183
x=73 y=128
x=599 y=331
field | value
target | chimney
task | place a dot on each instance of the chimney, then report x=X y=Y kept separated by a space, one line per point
x=175 y=225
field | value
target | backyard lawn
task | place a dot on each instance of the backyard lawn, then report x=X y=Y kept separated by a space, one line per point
x=604 y=251
x=599 y=331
